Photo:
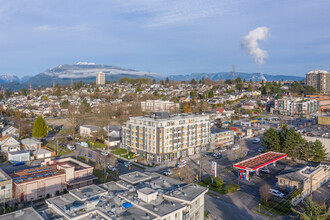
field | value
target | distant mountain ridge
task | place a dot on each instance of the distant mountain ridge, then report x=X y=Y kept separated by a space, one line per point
x=66 y=74
x=228 y=75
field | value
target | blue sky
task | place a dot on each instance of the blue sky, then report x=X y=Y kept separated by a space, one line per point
x=164 y=36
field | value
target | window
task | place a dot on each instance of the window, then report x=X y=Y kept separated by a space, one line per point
x=3 y=187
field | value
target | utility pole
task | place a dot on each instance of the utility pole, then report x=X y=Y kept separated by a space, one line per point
x=200 y=164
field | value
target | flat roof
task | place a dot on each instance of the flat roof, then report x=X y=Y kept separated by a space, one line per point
x=135 y=177
x=259 y=161
x=87 y=192
x=23 y=214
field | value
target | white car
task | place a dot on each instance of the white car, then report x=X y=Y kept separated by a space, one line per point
x=265 y=170
x=113 y=169
x=276 y=193
x=105 y=153
x=181 y=165
x=235 y=147
x=222 y=149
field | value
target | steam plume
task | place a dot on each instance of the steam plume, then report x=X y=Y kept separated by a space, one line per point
x=250 y=43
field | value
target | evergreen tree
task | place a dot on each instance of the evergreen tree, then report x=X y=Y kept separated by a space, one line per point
x=58 y=92
x=303 y=152
x=312 y=211
x=167 y=81
x=138 y=89
x=317 y=151
x=292 y=142
x=39 y=128
x=211 y=94
x=238 y=80
x=249 y=88
x=271 y=140
x=44 y=98
x=193 y=81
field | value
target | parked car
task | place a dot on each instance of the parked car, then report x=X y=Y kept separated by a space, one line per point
x=235 y=147
x=276 y=193
x=217 y=156
x=208 y=154
x=127 y=164
x=167 y=172
x=120 y=161
x=222 y=149
x=113 y=169
x=105 y=153
x=256 y=140
x=262 y=149
x=181 y=165
x=265 y=170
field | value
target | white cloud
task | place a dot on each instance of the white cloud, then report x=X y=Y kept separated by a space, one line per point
x=76 y=28
x=250 y=43
x=155 y=13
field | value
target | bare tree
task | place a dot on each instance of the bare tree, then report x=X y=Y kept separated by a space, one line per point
x=74 y=119
x=113 y=160
x=186 y=173
x=264 y=192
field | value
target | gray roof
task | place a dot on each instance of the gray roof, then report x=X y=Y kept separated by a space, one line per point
x=134 y=177
x=30 y=142
x=23 y=214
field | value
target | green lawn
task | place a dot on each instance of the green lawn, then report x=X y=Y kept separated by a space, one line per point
x=61 y=150
x=119 y=151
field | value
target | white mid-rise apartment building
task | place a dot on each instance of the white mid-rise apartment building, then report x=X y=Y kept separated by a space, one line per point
x=100 y=78
x=162 y=136
x=296 y=106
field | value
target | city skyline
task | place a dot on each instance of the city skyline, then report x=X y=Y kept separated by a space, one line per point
x=166 y=37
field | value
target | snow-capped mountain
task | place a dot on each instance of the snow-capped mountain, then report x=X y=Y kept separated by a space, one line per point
x=86 y=72
x=8 y=78
x=228 y=75
x=84 y=69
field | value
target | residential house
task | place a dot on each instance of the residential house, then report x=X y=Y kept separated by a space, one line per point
x=9 y=144
x=30 y=144
x=8 y=129
x=88 y=130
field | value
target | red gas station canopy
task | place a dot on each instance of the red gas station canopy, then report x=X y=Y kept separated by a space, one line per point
x=259 y=161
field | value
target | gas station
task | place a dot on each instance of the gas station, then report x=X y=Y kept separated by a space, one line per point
x=253 y=164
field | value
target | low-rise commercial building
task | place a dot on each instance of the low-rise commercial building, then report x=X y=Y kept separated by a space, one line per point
x=221 y=138
x=6 y=185
x=162 y=136
x=88 y=130
x=136 y=196
x=304 y=178
x=50 y=178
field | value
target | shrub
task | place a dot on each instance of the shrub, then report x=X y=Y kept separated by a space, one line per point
x=217 y=182
x=57 y=192
x=47 y=196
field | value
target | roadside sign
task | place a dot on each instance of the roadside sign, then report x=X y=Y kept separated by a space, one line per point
x=214 y=168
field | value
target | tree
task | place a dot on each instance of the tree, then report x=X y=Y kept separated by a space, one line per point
x=24 y=91
x=58 y=92
x=65 y=104
x=167 y=81
x=138 y=89
x=39 y=128
x=271 y=140
x=186 y=174
x=44 y=98
x=238 y=80
x=193 y=81
x=74 y=119
x=304 y=151
x=239 y=86
x=317 y=151
x=211 y=94
x=312 y=211
x=228 y=81
x=264 y=192
x=113 y=160
x=84 y=107
x=249 y=88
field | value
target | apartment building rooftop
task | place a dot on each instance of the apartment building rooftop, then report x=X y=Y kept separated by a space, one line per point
x=156 y=197
x=163 y=116
x=23 y=214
